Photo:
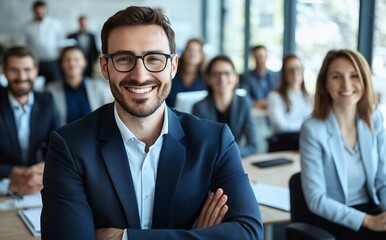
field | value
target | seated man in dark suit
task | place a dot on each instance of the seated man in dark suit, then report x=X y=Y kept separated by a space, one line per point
x=136 y=169
x=26 y=120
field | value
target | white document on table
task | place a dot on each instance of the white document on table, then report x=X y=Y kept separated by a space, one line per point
x=31 y=218
x=272 y=195
x=30 y=200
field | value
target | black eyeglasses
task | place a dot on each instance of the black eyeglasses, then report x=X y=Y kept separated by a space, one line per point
x=126 y=61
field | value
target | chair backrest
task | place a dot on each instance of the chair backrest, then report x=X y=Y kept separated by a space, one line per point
x=285 y=141
x=299 y=209
x=301 y=227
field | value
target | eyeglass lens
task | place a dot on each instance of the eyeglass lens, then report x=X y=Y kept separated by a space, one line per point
x=153 y=62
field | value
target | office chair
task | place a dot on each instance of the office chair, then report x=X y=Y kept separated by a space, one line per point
x=285 y=141
x=299 y=229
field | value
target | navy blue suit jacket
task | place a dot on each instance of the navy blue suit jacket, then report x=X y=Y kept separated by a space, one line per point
x=241 y=120
x=44 y=119
x=88 y=184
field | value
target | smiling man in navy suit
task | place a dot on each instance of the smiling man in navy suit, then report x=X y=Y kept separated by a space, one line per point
x=26 y=120
x=135 y=169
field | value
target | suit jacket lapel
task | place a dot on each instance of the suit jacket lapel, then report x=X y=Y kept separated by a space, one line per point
x=337 y=148
x=234 y=116
x=169 y=171
x=212 y=111
x=115 y=159
x=365 y=142
x=9 y=123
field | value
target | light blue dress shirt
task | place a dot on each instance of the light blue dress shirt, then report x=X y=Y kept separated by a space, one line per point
x=143 y=167
x=22 y=118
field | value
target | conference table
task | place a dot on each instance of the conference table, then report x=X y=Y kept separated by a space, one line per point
x=13 y=228
x=277 y=176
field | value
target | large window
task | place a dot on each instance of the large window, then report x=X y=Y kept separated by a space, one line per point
x=267 y=28
x=234 y=31
x=322 y=26
x=379 y=50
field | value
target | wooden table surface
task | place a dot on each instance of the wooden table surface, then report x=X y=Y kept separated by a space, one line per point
x=277 y=175
x=12 y=227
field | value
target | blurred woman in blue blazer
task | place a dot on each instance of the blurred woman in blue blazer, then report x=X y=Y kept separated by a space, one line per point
x=343 y=151
x=222 y=104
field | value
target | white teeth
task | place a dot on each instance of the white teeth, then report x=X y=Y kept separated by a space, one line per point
x=346 y=93
x=140 y=90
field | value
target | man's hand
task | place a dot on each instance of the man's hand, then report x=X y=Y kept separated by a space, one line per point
x=109 y=234
x=26 y=180
x=214 y=210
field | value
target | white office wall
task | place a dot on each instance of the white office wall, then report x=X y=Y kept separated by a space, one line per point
x=185 y=15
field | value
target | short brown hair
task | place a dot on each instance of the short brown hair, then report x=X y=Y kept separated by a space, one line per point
x=135 y=15
x=19 y=51
x=323 y=100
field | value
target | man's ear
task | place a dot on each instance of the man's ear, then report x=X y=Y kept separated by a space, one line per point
x=103 y=64
x=174 y=65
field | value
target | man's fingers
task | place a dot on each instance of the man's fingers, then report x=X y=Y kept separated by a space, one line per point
x=217 y=210
x=212 y=207
x=221 y=215
x=201 y=217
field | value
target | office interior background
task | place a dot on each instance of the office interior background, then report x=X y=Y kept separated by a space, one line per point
x=308 y=28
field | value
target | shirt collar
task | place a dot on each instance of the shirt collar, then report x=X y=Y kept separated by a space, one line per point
x=15 y=104
x=127 y=134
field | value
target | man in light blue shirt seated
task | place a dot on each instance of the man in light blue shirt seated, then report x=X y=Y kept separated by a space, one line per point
x=258 y=82
x=26 y=119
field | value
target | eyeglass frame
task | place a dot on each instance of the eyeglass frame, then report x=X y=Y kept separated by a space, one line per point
x=112 y=55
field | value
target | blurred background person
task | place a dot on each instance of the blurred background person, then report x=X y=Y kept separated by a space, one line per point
x=44 y=35
x=189 y=73
x=222 y=104
x=87 y=42
x=259 y=81
x=26 y=120
x=290 y=104
x=343 y=151
x=76 y=95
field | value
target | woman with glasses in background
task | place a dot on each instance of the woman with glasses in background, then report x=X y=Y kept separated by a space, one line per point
x=222 y=104
x=288 y=106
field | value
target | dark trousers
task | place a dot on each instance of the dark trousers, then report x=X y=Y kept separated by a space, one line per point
x=343 y=233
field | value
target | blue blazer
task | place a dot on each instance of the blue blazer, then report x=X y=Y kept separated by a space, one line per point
x=241 y=120
x=254 y=85
x=44 y=119
x=324 y=172
x=88 y=183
